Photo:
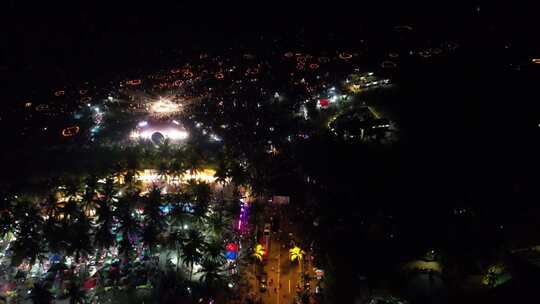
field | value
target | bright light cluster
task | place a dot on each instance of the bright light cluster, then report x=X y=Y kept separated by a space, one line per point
x=164 y=107
x=151 y=176
x=173 y=134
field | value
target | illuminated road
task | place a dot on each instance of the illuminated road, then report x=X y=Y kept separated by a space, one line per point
x=283 y=276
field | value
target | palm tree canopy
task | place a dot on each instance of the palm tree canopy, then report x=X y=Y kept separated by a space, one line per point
x=214 y=250
x=259 y=252
x=76 y=294
x=211 y=272
x=296 y=253
x=191 y=249
x=28 y=230
x=40 y=294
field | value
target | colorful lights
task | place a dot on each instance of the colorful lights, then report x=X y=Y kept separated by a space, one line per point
x=242 y=225
x=232 y=251
x=134 y=82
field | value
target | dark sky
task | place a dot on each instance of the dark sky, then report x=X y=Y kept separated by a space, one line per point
x=46 y=42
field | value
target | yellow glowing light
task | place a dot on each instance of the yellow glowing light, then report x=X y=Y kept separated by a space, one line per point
x=345 y=56
x=355 y=88
x=259 y=252
x=296 y=253
x=536 y=60
x=164 y=106
x=70 y=131
x=151 y=176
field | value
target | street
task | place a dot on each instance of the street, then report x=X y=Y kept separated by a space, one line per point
x=283 y=276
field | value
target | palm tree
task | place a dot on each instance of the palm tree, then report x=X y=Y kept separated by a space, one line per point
x=127 y=223
x=191 y=249
x=258 y=252
x=72 y=187
x=103 y=238
x=164 y=149
x=176 y=168
x=40 y=294
x=201 y=193
x=217 y=224
x=178 y=216
x=70 y=211
x=222 y=172
x=109 y=189
x=296 y=253
x=79 y=237
x=170 y=287
x=54 y=235
x=163 y=170
x=214 y=250
x=238 y=175
x=88 y=197
x=28 y=231
x=174 y=242
x=193 y=158
x=76 y=293
x=211 y=273
x=153 y=219
x=51 y=206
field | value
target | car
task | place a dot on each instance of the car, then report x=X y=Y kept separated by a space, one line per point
x=267 y=229
x=263 y=282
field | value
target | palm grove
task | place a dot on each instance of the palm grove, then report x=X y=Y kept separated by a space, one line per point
x=153 y=238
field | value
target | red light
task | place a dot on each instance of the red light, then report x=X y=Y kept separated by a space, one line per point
x=232 y=247
x=324 y=102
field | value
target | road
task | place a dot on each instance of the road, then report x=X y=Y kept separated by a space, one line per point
x=283 y=276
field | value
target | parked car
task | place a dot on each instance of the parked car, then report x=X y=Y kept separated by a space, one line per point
x=263 y=282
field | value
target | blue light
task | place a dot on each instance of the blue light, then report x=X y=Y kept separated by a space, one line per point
x=231 y=255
